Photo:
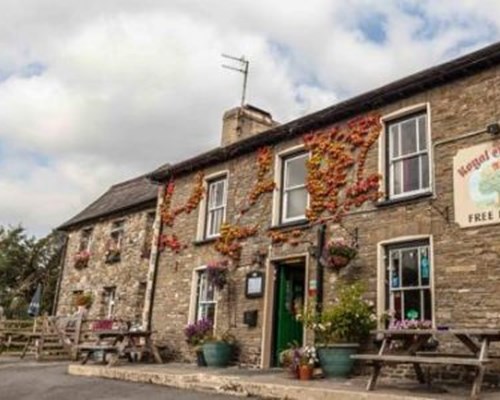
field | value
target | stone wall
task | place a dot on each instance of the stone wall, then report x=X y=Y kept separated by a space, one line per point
x=128 y=276
x=466 y=262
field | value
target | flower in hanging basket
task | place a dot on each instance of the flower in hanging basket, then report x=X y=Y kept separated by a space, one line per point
x=338 y=253
x=82 y=259
x=84 y=300
x=217 y=273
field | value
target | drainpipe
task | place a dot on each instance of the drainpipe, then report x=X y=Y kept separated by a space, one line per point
x=62 y=263
x=320 y=268
x=147 y=314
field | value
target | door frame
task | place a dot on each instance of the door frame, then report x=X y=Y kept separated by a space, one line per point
x=270 y=298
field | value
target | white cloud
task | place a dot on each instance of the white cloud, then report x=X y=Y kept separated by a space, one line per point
x=128 y=85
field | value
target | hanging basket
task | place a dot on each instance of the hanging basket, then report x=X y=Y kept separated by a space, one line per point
x=338 y=254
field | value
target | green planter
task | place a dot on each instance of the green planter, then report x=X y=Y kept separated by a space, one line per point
x=335 y=359
x=217 y=354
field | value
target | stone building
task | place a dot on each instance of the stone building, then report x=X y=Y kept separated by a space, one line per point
x=107 y=252
x=417 y=164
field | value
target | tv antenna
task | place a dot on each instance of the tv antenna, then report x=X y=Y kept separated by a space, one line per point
x=242 y=67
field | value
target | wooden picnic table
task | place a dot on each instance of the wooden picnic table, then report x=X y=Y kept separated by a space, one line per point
x=120 y=343
x=476 y=342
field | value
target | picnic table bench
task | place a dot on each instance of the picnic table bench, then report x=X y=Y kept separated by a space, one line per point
x=121 y=343
x=476 y=341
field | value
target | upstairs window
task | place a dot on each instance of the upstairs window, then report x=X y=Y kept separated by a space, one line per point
x=114 y=246
x=408 y=156
x=85 y=240
x=216 y=206
x=294 y=196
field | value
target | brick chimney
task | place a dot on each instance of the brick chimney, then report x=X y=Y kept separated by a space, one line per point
x=242 y=122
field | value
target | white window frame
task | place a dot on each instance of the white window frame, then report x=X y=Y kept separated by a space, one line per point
x=118 y=226
x=385 y=153
x=285 y=158
x=382 y=307
x=203 y=216
x=89 y=229
x=110 y=295
x=194 y=308
x=401 y=289
x=209 y=212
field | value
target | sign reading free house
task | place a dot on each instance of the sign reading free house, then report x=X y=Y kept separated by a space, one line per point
x=476 y=185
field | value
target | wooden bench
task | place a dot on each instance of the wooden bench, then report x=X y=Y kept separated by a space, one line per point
x=418 y=359
x=89 y=349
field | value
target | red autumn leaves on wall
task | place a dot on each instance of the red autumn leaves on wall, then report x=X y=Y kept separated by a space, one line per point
x=335 y=181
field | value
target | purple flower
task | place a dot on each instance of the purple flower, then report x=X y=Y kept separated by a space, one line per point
x=197 y=332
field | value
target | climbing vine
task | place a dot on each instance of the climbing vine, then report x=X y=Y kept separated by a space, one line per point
x=335 y=172
x=336 y=183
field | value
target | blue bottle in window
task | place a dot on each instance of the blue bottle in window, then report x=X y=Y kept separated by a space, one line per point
x=395 y=280
x=424 y=267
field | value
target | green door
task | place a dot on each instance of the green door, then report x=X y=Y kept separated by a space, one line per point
x=290 y=301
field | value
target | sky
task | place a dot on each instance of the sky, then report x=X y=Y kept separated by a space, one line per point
x=100 y=91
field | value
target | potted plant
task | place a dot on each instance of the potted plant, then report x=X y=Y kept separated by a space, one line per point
x=84 y=301
x=196 y=334
x=338 y=254
x=217 y=274
x=340 y=328
x=218 y=350
x=288 y=359
x=82 y=259
x=307 y=360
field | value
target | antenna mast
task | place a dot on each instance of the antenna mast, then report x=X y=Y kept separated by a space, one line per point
x=242 y=68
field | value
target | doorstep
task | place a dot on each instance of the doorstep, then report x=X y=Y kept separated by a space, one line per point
x=269 y=384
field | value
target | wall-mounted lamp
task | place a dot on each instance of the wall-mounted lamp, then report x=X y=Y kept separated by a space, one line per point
x=493 y=129
x=259 y=258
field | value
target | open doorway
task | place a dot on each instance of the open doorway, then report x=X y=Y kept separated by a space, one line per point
x=288 y=301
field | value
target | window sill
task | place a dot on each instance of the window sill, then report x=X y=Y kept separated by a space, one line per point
x=400 y=200
x=205 y=241
x=301 y=224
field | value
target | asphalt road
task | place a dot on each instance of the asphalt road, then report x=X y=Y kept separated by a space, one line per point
x=31 y=381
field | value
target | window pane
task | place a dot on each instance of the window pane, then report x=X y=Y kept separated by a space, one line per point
x=395 y=279
x=295 y=171
x=408 y=136
x=427 y=305
x=424 y=160
x=425 y=266
x=411 y=174
x=394 y=130
x=397 y=177
x=216 y=194
x=215 y=221
x=422 y=132
x=207 y=311
x=397 y=306
x=296 y=200
x=410 y=267
x=412 y=304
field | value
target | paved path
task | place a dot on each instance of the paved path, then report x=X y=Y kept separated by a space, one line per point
x=32 y=381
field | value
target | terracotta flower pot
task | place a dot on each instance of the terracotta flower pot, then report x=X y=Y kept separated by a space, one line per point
x=305 y=372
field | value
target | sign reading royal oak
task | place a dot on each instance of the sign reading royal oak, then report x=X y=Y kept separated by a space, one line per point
x=476 y=185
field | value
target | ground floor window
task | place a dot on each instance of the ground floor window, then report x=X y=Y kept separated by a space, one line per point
x=408 y=281
x=205 y=297
x=109 y=296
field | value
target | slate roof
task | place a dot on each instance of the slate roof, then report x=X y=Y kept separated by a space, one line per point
x=131 y=194
x=430 y=78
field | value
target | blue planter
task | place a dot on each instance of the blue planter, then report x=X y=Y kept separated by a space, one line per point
x=217 y=354
x=336 y=359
